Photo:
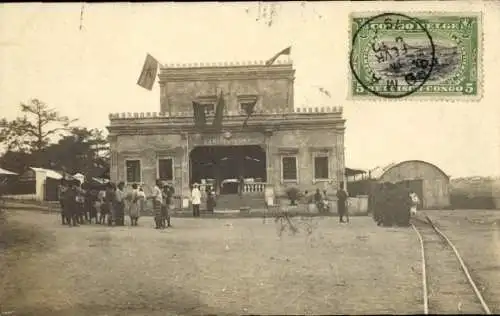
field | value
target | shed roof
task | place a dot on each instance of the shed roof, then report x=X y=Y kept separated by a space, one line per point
x=49 y=173
x=6 y=172
x=378 y=172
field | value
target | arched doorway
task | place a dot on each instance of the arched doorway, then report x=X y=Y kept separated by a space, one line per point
x=223 y=166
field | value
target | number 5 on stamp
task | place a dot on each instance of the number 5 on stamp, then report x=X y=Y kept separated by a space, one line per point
x=416 y=55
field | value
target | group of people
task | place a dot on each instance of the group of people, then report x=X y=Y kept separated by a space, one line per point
x=196 y=199
x=162 y=200
x=323 y=204
x=108 y=204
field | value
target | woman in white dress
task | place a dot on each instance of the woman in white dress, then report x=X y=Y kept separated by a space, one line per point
x=133 y=205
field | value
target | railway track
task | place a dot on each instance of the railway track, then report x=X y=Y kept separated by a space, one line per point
x=447 y=284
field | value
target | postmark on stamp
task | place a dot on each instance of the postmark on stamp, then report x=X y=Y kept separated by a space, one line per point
x=417 y=55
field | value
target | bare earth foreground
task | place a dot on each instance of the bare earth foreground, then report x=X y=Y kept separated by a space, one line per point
x=207 y=266
x=476 y=234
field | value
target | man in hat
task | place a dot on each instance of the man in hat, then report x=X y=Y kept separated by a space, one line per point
x=196 y=200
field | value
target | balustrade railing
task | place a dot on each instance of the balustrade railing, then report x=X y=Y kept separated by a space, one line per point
x=256 y=187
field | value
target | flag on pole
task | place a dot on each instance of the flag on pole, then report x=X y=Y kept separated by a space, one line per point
x=148 y=74
x=248 y=108
x=199 y=115
x=219 y=112
x=325 y=92
x=286 y=51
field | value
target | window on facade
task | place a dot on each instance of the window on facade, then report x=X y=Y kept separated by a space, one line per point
x=166 y=169
x=133 y=171
x=321 y=167
x=247 y=107
x=289 y=171
x=209 y=108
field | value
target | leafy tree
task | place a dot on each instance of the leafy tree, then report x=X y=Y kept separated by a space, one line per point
x=33 y=131
x=84 y=150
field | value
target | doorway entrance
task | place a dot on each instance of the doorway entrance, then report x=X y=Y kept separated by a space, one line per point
x=223 y=167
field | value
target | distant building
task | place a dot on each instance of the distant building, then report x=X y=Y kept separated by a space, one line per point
x=280 y=147
x=427 y=180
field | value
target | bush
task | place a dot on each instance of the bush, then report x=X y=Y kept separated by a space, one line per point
x=293 y=195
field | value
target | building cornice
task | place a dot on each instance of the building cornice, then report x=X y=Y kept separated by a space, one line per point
x=232 y=124
x=226 y=71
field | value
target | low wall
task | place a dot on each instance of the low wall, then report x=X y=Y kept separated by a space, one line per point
x=23 y=197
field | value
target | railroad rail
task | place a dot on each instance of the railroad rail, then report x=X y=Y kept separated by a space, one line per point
x=436 y=274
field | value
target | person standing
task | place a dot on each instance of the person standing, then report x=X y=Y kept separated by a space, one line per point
x=196 y=200
x=70 y=205
x=141 y=203
x=157 y=203
x=168 y=193
x=120 y=204
x=62 y=188
x=415 y=201
x=211 y=201
x=80 y=203
x=133 y=205
x=110 y=205
x=342 y=204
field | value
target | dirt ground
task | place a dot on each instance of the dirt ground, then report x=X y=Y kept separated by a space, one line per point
x=207 y=266
x=476 y=234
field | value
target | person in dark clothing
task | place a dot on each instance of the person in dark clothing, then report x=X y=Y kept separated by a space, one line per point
x=70 y=205
x=80 y=203
x=168 y=193
x=342 y=204
x=120 y=204
x=318 y=200
x=63 y=187
x=110 y=205
x=90 y=202
x=210 y=201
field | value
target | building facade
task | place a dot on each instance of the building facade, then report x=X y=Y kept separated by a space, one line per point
x=278 y=146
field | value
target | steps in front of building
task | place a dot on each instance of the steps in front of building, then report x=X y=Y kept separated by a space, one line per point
x=228 y=202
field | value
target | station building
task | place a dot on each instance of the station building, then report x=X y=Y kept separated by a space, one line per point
x=276 y=147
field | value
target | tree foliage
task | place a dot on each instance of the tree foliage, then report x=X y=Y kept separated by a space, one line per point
x=34 y=129
x=41 y=137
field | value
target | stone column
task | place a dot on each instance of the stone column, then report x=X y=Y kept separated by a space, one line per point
x=186 y=148
x=113 y=166
x=269 y=157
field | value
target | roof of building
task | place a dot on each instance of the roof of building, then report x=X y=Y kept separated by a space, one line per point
x=49 y=173
x=379 y=172
x=6 y=172
x=353 y=172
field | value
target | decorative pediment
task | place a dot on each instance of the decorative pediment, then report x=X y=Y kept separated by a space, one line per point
x=323 y=150
x=288 y=150
x=247 y=98
x=168 y=151
x=206 y=99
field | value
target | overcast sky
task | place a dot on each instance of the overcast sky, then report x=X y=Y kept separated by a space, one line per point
x=91 y=72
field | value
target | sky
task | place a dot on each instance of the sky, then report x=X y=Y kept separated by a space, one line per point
x=86 y=66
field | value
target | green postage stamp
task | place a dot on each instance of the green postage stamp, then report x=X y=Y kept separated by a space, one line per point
x=416 y=55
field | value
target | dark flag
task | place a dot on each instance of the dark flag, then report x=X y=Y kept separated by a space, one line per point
x=325 y=92
x=148 y=74
x=199 y=115
x=248 y=108
x=219 y=112
x=286 y=51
